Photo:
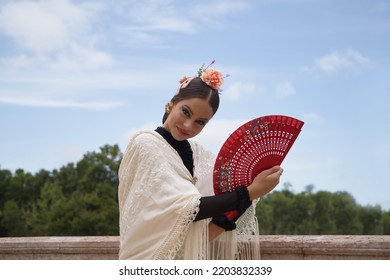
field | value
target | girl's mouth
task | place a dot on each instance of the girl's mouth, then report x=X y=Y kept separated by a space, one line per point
x=182 y=132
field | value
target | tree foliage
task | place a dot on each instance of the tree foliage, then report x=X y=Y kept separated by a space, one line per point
x=78 y=199
x=82 y=199
x=320 y=213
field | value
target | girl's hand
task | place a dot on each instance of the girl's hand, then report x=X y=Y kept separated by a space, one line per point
x=264 y=182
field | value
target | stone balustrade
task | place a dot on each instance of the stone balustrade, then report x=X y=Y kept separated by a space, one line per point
x=273 y=247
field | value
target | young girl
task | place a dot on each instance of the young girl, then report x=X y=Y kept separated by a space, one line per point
x=167 y=205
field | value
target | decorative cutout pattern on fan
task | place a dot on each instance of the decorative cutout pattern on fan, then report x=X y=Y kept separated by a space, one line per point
x=255 y=146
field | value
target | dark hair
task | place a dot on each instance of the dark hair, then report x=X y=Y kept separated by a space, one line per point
x=196 y=89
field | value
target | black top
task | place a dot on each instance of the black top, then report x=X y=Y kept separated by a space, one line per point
x=183 y=148
x=210 y=206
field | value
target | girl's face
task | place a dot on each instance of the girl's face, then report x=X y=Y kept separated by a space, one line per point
x=188 y=117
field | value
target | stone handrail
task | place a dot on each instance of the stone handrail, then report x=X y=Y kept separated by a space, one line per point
x=273 y=247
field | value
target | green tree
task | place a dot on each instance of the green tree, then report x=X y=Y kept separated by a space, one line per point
x=346 y=214
x=68 y=178
x=264 y=216
x=371 y=219
x=81 y=198
x=92 y=215
x=5 y=179
x=302 y=209
x=47 y=216
x=323 y=213
x=280 y=208
x=13 y=220
x=386 y=222
x=99 y=167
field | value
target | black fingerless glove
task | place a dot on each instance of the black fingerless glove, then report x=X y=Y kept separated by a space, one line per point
x=228 y=220
x=243 y=202
x=223 y=222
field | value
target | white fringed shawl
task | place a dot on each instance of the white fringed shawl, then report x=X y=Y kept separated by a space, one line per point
x=158 y=203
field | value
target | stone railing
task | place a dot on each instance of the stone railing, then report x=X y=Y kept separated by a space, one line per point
x=273 y=247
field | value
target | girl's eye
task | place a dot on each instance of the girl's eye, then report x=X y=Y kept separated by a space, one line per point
x=202 y=123
x=186 y=112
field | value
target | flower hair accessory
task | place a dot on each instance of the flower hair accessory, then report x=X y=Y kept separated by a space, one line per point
x=213 y=78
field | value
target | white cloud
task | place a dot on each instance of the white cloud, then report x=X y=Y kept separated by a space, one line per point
x=170 y=25
x=43 y=25
x=146 y=20
x=54 y=34
x=168 y=15
x=164 y=24
x=312 y=118
x=83 y=58
x=19 y=61
x=335 y=61
x=213 y=9
x=161 y=15
x=284 y=89
x=69 y=35
x=46 y=102
x=238 y=90
x=76 y=59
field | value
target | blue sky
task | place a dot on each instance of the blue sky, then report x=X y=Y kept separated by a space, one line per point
x=76 y=75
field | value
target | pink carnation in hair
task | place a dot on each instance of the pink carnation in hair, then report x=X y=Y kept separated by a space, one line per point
x=212 y=78
x=182 y=80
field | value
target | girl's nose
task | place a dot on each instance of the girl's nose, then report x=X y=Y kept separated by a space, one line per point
x=188 y=125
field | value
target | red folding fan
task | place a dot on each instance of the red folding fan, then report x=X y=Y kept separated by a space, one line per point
x=255 y=146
